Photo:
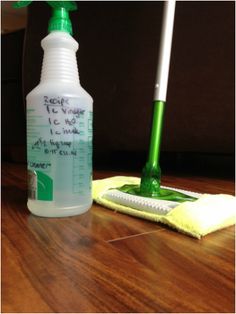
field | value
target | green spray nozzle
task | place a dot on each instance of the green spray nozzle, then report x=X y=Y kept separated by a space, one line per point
x=60 y=20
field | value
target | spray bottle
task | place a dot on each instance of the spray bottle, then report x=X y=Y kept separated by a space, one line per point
x=59 y=125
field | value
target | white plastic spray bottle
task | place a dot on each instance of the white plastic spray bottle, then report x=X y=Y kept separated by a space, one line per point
x=59 y=125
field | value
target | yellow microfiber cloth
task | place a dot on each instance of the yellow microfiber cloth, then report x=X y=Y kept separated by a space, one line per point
x=207 y=214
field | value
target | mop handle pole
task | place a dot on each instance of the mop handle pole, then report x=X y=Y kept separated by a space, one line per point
x=151 y=173
x=165 y=51
x=161 y=82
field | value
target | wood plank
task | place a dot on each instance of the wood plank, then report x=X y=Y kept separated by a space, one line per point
x=203 y=270
x=201 y=184
x=67 y=267
x=17 y=287
x=104 y=261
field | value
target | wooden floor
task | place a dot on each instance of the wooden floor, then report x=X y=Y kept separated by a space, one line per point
x=103 y=261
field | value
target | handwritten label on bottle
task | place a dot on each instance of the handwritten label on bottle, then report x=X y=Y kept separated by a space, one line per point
x=66 y=123
x=62 y=118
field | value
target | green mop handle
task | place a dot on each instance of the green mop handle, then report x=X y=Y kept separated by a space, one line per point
x=151 y=175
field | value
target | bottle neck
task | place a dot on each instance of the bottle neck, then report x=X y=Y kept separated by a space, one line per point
x=60 y=64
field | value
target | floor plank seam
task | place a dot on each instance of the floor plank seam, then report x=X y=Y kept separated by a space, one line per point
x=133 y=235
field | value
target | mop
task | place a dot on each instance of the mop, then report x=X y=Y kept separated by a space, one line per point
x=184 y=210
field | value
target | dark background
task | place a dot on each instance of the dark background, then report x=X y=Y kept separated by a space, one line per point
x=117 y=60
